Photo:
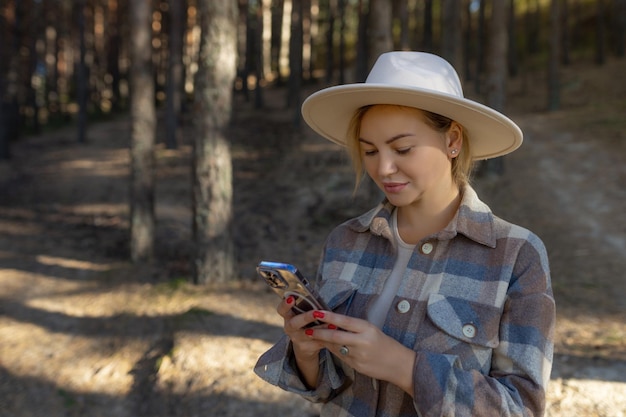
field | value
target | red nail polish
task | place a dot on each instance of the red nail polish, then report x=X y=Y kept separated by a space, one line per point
x=308 y=332
x=289 y=299
x=318 y=314
x=332 y=327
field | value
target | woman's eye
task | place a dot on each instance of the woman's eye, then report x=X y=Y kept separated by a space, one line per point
x=369 y=152
x=403 y=151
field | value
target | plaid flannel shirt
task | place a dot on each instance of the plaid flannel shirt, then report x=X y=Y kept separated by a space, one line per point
x=480 y=319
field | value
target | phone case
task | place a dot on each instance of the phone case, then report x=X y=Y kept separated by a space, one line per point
x=286 y=280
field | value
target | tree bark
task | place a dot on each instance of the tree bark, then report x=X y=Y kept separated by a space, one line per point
x=554 y=100
x=295 y=62
x=427 y=41
x=83 y=77
x=451 y=40
x=620 y=28
x=495 y=83
x=143 y=115
x=600 y=33
x=175 y=73
x=214 y=259
x=380 y=35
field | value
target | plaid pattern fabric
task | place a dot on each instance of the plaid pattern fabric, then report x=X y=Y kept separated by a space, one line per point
x=480 y=319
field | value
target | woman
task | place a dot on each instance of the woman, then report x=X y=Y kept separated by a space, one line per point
x=439 y=308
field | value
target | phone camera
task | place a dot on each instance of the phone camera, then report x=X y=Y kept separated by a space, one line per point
x=275 y=280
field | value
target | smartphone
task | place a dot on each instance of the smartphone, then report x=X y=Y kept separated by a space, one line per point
x=286 y=280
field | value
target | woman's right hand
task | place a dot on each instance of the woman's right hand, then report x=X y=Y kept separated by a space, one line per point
x=306 y=350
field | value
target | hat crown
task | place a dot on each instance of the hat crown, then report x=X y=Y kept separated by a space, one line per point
x=416 y=70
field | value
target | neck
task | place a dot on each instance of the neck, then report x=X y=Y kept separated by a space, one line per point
x=429 y=215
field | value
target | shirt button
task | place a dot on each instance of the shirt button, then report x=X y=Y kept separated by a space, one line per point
x=469 y=330
x=427 y=248
x=404 y=306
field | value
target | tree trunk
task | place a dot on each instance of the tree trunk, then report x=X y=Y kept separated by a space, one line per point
x=6 y=34
x=427 y=41
x=143 y=117
x=277 y=29
x=342 y=41
x=554 y=101
x=295 y=62
x=620 y=28
x=360 y=66
x=480 y=47
x=175 y=73
x=330 y=41
x=600 y=33
x=497 y=56
x=380 y=38
x=512 y=53
x=495 y=84
x=451 y=40
x=83 y=77
x=113 y=51
x=468 y=51
x=401 y=11
x=566 y=41
x=214 y=259
x=258 y=56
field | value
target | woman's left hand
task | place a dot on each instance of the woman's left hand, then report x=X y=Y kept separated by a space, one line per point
x=364 y=347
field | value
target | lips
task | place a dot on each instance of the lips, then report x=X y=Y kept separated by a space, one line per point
x=394 y=187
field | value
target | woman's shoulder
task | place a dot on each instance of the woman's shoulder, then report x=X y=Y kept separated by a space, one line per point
x=479 y=213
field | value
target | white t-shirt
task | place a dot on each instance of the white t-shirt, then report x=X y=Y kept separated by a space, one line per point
x=380 y=307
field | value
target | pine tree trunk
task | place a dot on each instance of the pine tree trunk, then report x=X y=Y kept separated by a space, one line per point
x=175 y=73
x=143 y=115
x=295 y=62
x=214 y=259
x=554 y=101
x=451 y=42
x=495 y=84
x=379 y=37
x=600 y=33
x=83 y=77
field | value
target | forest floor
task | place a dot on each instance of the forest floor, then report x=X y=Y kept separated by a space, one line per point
x=85 y=333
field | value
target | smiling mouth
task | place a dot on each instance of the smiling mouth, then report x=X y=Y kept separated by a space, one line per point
x=394 y=187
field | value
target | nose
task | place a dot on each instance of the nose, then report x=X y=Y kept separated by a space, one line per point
x=386 y=164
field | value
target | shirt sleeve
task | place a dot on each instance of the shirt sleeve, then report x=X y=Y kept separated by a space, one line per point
x=521 y=361
x=277 y=366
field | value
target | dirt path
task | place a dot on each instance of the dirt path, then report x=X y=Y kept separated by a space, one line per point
x=82 y=332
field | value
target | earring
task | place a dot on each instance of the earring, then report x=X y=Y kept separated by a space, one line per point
x=453 y=151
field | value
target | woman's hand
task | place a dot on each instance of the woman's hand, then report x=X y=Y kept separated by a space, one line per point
x=306 y=350
x=365 y=348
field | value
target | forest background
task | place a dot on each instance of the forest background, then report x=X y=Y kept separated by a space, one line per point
x=152 y=152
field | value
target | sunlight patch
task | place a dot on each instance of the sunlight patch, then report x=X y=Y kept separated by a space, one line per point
x=73 y=263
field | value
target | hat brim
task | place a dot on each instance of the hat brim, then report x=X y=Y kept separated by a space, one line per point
x=490 y=133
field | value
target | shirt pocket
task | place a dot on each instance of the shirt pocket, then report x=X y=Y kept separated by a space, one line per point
x=471 y=322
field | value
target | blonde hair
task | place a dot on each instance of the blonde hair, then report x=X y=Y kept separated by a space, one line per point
x=462 y=165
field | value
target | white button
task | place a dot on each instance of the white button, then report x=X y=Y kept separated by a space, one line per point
x=427 y=248
x=404 y=306
x=469 y=330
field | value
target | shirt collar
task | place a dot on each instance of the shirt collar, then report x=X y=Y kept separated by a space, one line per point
x=473 y=220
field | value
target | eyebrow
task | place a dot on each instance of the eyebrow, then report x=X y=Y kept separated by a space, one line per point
x=388 y=141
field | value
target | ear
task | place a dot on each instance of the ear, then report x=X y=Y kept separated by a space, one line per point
x=454 y=140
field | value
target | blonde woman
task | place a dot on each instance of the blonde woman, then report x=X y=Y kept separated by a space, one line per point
x=437 y=306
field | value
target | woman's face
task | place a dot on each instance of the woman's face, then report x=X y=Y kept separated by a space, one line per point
x=408 y=160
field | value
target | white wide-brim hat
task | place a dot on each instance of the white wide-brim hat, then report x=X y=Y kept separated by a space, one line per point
x=413 y=79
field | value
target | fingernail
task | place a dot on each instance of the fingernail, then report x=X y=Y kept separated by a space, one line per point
x=318 y=314
x=289 y=299
x=308 y=332
x=332 y=327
